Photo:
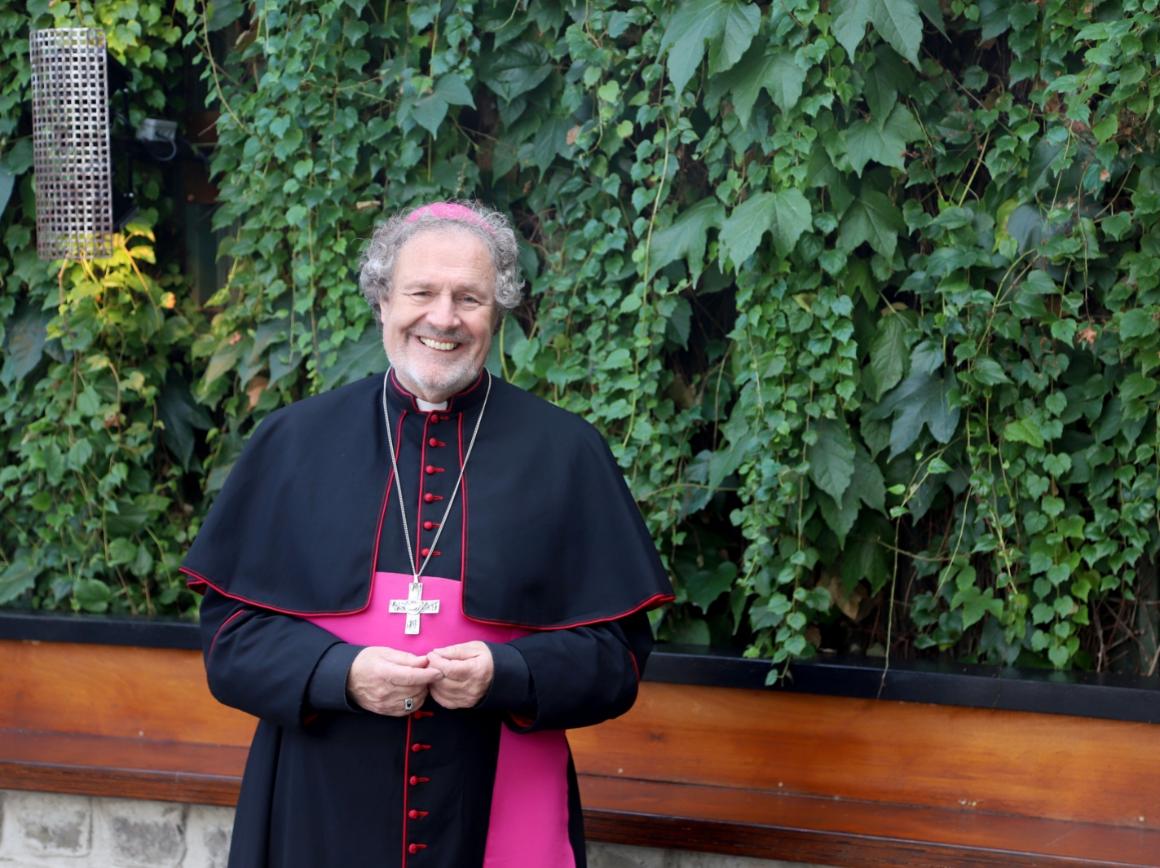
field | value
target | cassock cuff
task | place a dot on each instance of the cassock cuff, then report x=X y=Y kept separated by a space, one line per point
x=511 y=684
x=327 y=688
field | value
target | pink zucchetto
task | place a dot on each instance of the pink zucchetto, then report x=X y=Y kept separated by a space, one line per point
x=450 y=211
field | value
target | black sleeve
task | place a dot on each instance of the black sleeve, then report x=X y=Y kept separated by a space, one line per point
x=570 y=678
x=276 y=667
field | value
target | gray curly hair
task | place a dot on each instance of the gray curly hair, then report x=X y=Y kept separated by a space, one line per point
x=377 y=266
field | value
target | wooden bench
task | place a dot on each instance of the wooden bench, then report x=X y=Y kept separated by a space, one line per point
x=753 y=772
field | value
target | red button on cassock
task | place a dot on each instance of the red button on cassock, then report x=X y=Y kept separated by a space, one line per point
x=424 y=551
x=416 y=815
x=433 y=443
x=431 y=498
x=415 y=848
x=417 y=779
x=416 y=747
x=428 y=525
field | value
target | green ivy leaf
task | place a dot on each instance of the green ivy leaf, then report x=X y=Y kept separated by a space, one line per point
x=181 y=415
x=92 y=595
x=787 y=214
x=989 y=372
x=831 y=458
x=704 y=586
x=1136 y=386
x=18 y=577
x=516 y=70
x=1025 y=430
x=698 y=21
x=685 y=236
x=356 y=360
x=1139 y=323
x=872 y=219
x=897 y=22
x=921 y=399
x=888 y=355
x=24 y=342
x=7 y=182
x=882 y=141
x=975 y=604
x=778 y=72
x=741 y=22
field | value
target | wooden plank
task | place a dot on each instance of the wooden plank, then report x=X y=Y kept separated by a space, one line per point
x=115 y=691
x=711 y=819
x=838 y=831
x=1050 y=766
x=131 y=768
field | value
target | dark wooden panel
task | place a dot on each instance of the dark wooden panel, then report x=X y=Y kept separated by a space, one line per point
x=838 y=831
x=711 y=819
x=1049 y=766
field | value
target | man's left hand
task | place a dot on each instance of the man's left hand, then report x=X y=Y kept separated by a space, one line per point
x=467 y=673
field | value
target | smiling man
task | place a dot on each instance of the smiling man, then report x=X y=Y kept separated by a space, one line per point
x=418 y=582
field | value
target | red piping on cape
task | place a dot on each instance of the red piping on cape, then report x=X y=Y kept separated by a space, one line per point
x=654 y=600
x=198 y=583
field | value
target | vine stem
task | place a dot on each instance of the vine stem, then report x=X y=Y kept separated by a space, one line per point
x=644 y=286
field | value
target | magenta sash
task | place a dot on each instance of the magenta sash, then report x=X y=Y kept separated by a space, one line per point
x=529 y=802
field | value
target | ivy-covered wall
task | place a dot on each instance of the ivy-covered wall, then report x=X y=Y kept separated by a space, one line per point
x=863 y=293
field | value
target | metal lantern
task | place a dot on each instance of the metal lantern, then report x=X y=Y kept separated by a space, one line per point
x=71 y=153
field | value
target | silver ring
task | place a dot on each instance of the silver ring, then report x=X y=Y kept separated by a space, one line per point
x=409 y=704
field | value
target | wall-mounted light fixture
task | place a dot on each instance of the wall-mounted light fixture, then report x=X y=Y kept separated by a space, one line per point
x=70 y=136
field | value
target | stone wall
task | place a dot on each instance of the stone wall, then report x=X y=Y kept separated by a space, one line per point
x=44 y=830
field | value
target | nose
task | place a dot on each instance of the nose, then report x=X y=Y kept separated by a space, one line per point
x=442 y=313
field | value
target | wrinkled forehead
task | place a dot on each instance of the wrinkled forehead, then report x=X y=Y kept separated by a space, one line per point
x=454 y=241
x=446 y=254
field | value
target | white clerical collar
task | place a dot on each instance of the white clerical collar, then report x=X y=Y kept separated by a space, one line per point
x=427 y=406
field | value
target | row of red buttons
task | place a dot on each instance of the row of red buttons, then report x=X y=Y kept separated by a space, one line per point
x=415 y=780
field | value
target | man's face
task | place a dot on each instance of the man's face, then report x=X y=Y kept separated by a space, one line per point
x=438 y=319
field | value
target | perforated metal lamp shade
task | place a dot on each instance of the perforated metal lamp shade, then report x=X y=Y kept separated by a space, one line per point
x=70 y=135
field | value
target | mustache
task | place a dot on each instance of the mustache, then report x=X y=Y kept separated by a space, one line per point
x=438 y=335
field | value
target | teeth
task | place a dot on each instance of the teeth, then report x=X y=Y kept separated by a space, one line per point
x=438 y=345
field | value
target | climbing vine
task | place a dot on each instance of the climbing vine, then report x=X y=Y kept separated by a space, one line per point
x=863 y=294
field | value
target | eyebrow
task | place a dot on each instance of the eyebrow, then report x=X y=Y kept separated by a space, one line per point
x=457 y=288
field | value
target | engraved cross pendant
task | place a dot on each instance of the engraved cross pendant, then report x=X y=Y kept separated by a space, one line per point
x=413 y=607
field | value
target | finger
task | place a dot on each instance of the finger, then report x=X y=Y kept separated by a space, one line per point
x=463 y=651
x=410 y=677
x=402 y=658
x=454 y=669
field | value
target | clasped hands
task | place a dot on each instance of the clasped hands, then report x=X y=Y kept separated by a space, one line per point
x=381 y=679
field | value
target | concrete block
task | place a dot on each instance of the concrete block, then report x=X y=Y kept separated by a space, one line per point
x=207 y=837
x=37 y=825
x=138 y=834
x=621 y=856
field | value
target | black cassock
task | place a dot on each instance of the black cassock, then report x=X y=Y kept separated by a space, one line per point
x=543 y=535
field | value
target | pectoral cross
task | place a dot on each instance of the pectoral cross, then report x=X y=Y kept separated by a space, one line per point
x=413 y=607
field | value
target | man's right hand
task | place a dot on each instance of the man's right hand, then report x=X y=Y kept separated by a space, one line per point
x=382 y=679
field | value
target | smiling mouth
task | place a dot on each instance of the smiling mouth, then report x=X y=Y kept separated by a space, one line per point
x=442 y=346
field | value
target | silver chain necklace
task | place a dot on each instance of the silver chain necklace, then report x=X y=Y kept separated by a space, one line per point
x=399 y=487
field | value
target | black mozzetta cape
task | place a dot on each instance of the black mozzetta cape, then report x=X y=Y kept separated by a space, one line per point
x=543 y=535
x=544 y=532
